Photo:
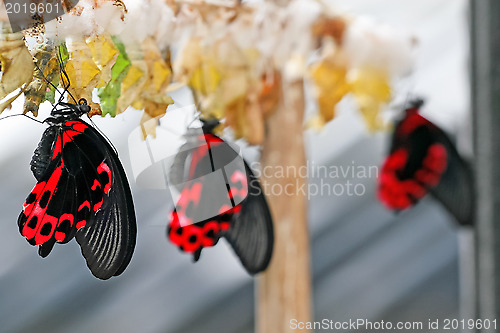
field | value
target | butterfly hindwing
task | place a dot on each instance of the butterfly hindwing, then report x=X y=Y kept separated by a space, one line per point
x=108 y=242
x=455 y=189
x=251 y=232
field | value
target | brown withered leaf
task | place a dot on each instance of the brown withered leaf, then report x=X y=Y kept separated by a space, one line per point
x=330 y=26
x=47 y=70
x=16 y=63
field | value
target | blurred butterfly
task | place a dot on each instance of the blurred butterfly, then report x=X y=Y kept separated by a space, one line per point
x=422 y=159
x=219 y=197
x=81 y=191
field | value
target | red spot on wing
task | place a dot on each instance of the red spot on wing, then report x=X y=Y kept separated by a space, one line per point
x=83 y=205
x=98 y=205
x=207 y=141
x=61 y=235
x=95 y=185
x=397 y=193
x=239 y=177
x=411 y=122
x=81 y=224
x=103 y=167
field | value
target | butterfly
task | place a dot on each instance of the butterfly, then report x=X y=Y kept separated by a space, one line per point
x=219 y=197
x=423 y=159
x=82 y=192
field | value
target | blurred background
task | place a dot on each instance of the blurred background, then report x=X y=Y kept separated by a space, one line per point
x=366 y=262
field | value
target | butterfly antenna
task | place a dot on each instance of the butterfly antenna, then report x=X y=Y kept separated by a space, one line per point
x=25 y=115
x=65 y=76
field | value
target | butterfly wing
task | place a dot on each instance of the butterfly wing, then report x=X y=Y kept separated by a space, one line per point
x=241 y=215
x=109 y=241
x=423 y=160
x=203 y=207
x=251 y=234
x=79 y=176
x=455 y=189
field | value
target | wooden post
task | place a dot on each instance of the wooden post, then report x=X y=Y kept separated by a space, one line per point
x=485 y=56
x=284 y=290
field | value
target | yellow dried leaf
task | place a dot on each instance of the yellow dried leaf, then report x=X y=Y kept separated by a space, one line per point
x=161 y=77
x=150 y=118
x=234 y=119
x=371 y=90
x=330 y=86
x=205 y=79
x=133 y=76
x=189 y=59
x=132 y=86
x=104 y=54
x=83 y=73
x=153 y=96
x=148 y=126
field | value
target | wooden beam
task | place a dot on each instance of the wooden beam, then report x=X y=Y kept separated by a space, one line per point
x=284 y=290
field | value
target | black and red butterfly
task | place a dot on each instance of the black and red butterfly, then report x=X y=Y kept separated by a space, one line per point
x=423 y=160
x=219 y=197
x=81 y=191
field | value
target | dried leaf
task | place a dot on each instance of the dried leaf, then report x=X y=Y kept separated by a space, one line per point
x=16 y=63
x=104 y=53
x=109 y=94
x=148 y=125
x=132 y=85
x=330 y=86
x=371 y=90
x=47 y=70
x=154 y=98
x=205 y=79
x=83 y=73
x=8 y=102
x=333 y=27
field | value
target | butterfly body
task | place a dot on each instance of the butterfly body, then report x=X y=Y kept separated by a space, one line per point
x=219 y=197
x=423 y=160
x=81 y=192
